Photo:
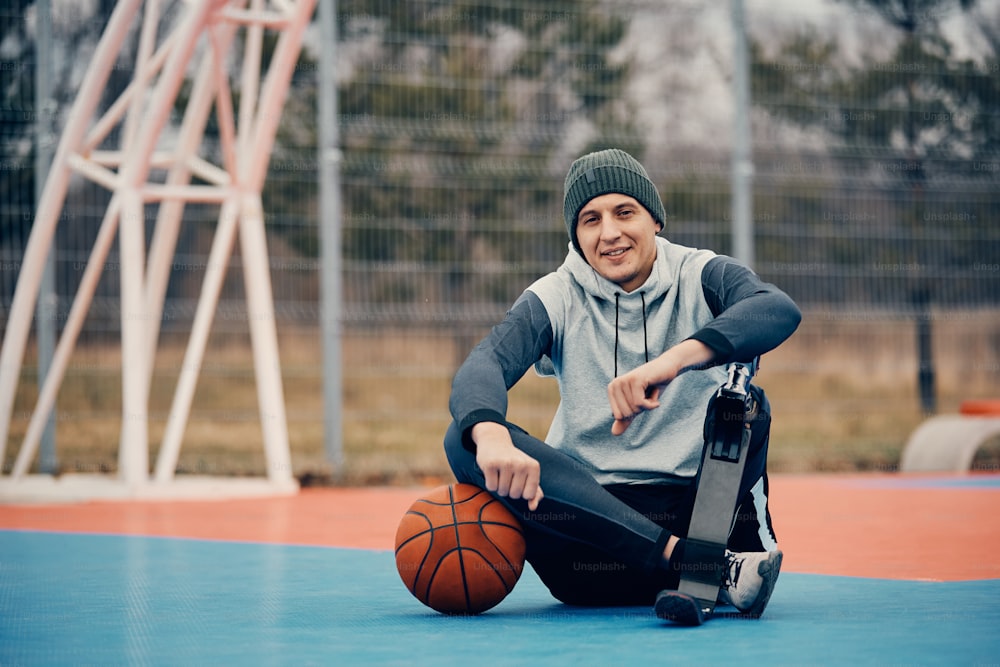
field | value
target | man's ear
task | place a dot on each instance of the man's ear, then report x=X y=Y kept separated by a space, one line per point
x=659 y=227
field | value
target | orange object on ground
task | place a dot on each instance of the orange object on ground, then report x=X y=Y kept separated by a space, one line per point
x=459 y=550
x=980 y=407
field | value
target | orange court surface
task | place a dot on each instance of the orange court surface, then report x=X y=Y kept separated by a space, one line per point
x=916 y=527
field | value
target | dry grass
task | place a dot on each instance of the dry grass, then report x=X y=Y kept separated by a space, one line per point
x=843 y=392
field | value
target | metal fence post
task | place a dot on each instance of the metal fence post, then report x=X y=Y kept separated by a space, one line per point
x=331 y=291
x=742 y=160
x=47 y=306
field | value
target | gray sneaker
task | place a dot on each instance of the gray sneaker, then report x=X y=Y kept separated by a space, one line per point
x=749 y=580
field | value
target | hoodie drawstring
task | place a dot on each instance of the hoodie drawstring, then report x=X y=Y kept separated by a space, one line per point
x=645 y=339
x=616 y=333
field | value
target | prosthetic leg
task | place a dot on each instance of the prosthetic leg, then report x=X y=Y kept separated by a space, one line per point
x=727 y=440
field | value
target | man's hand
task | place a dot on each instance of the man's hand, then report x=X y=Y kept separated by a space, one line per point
x=509 y=471
x=640 y=389
x=632 y=393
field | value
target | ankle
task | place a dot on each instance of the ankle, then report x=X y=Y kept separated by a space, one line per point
x=669 y=551
x=674 y=554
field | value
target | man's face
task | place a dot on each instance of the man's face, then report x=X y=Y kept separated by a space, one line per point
x=618 y=238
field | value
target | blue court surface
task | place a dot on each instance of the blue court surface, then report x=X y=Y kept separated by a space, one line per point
x=93 y=599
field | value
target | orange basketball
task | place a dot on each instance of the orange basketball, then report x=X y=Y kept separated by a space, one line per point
x=458 y=550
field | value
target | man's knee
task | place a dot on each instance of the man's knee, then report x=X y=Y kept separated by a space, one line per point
x=461 y=455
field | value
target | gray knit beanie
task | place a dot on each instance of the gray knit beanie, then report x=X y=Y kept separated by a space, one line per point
x=605 y=172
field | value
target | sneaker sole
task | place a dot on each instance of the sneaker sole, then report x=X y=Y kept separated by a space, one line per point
x=679 y=608
x=768 y=571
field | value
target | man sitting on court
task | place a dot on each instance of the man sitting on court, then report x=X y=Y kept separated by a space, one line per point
x=637 y=331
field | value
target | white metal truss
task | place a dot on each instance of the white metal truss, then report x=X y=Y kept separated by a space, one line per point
x=202 y=39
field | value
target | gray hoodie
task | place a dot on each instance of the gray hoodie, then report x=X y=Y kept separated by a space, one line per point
x=585 y=330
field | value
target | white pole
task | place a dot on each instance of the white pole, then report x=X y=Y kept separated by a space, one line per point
x=133 y=448
x=249 y=84
x=264 y=339
x=215 y=274
x=111 y=118
x=40 y=239
x=168 y=218
x=136 y=362
x=256 y=267
x=144 y=72
x=273 y=94
x=74 y=322
x=246 y=150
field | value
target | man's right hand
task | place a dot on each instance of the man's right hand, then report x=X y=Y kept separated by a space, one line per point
x=509 y=471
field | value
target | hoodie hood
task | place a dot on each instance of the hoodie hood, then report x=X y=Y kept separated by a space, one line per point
x=659 y=281
x=600 y=331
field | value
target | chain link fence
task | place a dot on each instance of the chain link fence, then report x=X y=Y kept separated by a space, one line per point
x=875 y=190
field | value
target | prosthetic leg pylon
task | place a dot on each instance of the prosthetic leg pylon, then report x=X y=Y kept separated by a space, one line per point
x=727 y=440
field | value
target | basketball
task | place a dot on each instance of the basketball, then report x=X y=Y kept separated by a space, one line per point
x=458 y=550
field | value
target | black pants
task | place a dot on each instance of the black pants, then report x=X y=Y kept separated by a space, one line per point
x=603 y=545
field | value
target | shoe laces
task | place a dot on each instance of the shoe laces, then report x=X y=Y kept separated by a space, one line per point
x=734 y=566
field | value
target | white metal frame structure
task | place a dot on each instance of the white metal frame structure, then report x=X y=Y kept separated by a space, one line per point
x=200 y=41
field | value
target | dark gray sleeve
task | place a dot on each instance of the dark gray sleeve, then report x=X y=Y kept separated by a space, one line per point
x=751 y=317
x=479 y=389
